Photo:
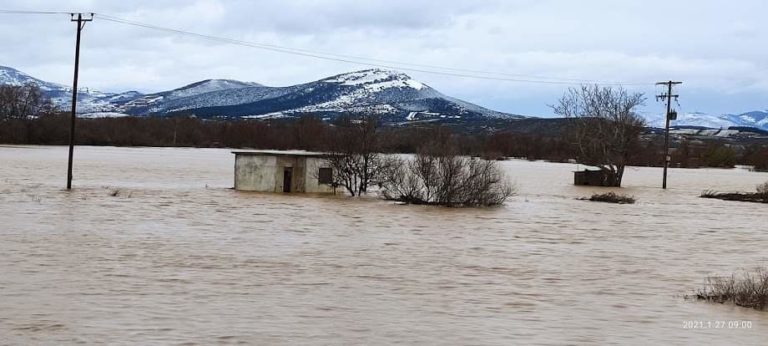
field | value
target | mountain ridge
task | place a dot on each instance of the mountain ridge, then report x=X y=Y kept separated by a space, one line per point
x=394 y=96
x=755 y=119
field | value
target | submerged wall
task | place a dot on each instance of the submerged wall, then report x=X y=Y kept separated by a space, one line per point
x=311 y=178
x=255 y=173
x=265 y=173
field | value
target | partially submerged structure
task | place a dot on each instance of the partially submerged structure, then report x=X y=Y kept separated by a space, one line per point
x=594 y=178
x=282 y=171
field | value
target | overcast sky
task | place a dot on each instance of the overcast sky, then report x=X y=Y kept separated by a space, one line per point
x=718 y=49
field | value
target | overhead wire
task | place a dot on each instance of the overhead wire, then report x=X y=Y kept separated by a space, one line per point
x=387 y=64
x=124 y=21
x=351 y=59
x=32 y=12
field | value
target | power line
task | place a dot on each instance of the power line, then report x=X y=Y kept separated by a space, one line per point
x=358 y=60
x=388 y=64
x=31 y=12
x=264 y=45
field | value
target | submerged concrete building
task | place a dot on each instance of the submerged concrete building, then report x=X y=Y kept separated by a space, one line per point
x=282 y=171
x=594 y=178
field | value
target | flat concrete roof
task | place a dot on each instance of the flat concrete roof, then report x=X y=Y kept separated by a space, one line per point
x=279 y=153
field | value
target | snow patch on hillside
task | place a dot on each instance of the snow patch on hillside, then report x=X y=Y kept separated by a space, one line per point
x=97 y=115
x=375 y=80
x=372 y=91
x=11 y=76
x=757 y=119
x=207 y=86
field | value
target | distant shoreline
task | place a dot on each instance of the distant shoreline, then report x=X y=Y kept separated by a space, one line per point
x=40 y=146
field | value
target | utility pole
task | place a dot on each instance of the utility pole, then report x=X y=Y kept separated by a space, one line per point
x=669 y=116
x=80 y=25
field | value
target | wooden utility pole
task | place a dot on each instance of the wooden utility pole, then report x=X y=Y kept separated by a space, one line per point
x=669 y=116
x=80 y=25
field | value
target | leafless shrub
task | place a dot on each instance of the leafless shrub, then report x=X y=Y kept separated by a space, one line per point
x=747 y=289
x=447 y=180
x=761 y=196
x=610 y=197
x=762 y=189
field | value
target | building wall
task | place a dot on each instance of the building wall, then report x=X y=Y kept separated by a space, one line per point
x=594 y=178
x=313 y=165
x=265 y=173
x=256 y=173
x=297 y=174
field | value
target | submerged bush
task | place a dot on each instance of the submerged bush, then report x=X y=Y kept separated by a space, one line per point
x=760 y=196
x=115 y=192
x=610 y=197
x=747 y=289
x=447 y=180
x=762 y=189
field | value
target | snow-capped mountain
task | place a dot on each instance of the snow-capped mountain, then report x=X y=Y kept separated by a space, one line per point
x=89 y=100
x=756 y=119
x=203 y=94
x=394 y=96
x=11 y=76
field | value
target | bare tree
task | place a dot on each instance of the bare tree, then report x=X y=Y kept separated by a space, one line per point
x=605 y=127
x=437 y=176
x=21 y=101
x=354 y=154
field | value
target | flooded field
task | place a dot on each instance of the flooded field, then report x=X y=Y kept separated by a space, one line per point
x=153 y=247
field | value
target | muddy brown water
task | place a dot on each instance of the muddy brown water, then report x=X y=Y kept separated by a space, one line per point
x=176 y=256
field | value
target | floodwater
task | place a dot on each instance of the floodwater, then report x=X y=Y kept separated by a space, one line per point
x=153 y=247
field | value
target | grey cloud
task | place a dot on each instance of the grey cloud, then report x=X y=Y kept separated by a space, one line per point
x=718 y=51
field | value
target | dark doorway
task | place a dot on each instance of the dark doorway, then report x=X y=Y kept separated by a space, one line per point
x=287 y=177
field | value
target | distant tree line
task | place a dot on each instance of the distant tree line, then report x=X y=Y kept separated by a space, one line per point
x=27 y=117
